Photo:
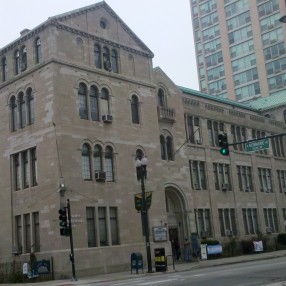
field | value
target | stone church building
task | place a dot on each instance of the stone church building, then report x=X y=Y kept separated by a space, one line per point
x=80 y=98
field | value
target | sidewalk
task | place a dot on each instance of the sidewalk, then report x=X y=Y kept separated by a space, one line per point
x=181 y=266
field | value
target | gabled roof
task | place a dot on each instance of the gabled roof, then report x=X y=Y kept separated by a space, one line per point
x=274 y=100
x=104 y=5
x=217 y=99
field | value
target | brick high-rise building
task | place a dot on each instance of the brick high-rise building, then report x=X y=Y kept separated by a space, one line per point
x=240 y=47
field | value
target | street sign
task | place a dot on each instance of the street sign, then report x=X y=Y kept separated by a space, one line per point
x=257 y=145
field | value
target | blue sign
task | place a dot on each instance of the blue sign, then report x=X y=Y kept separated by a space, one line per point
x=214 y=249
x=42 y=267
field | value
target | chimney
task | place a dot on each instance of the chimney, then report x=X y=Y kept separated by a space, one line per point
x=24 y=32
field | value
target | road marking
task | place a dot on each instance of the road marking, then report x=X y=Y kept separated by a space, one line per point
x=156 y=282
x=199 y=275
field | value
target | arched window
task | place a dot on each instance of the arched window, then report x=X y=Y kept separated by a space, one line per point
x=14 y=118
x=97 y=56
x=97 y=155
x=23 y=60
x=80 y=47
x=169 y=145
x=139 y=154
x=85 y=160
x=30 y=106
x=114 y=61
x=161 y=98
x=4 y=69
x=163 y=147
x=105 y=101
x=109 y=164
x=135 y=109
x=94 y=103
x=38 y=50
x=106 y=59
x=22 y=110
x=82 y=97
x=17 y=62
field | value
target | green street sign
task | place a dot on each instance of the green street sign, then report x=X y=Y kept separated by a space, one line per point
x=260 y=144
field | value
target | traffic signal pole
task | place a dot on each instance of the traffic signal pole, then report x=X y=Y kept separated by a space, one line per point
x=71 y=242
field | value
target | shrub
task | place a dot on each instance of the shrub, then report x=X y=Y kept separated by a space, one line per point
x=281 y=238
x=210 y=241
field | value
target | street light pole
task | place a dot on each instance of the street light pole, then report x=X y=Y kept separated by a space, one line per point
x=141 y=168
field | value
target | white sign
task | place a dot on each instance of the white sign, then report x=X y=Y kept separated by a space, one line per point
x=204 y=255
x=25 y=268
x=258 y=245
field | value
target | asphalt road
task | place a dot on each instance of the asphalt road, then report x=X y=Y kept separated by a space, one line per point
x=254 y=273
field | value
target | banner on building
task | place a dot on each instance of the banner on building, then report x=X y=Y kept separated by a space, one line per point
x=139 y=201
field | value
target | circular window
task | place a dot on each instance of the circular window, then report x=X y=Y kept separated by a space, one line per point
x=103 y=24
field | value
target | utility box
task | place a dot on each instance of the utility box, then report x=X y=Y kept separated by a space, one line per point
x=136 y=261
x=160 y=260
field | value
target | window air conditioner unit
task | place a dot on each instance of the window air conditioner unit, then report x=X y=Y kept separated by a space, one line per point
x=199 y=141
x=247 y=190
x=229 y=232
x=268 y=229
x=224 y=187
x=204 y=233
x=107 y=65
x=197 y=187
x=23 y=66
x=15 y=250
x=100 y=176
x=284 y=190
x=107 y=118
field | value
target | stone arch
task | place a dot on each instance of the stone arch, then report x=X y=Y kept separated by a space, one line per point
x=178 y=214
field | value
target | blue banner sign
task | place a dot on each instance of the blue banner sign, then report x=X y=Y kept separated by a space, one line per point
x=42 y=267
x=214 y=249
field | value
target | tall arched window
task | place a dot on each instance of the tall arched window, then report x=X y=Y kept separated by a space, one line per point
x=14 y=117
x=163 y=147
x=105 y=101
x=23 y=60
x=97 y=56
x=82 y=97
x=135 y=109
x=85 y=160
x=114 y=61
x=22 y=110
x=80 y=47
x=97 y=156
x=38 y=50
x=106 y=59
x=30 y=106
x=109 y=164
x=139 y=154
x=94 y=103
x=4 y=69
x=161 y=98
x=169 y=145
x=17 y=62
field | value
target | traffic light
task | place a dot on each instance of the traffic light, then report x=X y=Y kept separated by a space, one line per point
x=64 y=227
x=223 y=144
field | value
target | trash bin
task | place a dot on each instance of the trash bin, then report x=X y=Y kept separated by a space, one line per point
x=136 y=261
x=160 y=260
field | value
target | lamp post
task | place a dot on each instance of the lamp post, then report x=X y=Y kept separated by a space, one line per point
x=141 y=170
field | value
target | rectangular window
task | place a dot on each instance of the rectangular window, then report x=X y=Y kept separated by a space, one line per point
x=27 y=233
x=271 y=221
x=36 y=231
x=214 y=129
x=90 y=225
x=250 y=221
x=227 y=222
x=113 y=225
x=203 y=222
x=198 y=175
x=244 y=178
x=238 y=134
x=222 y=177
x=277 y=146
x=18 y=221
x=194 y=130
x=281 y=175
x=265 y=180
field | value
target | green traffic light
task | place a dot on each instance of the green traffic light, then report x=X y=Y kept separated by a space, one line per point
x=224 y=152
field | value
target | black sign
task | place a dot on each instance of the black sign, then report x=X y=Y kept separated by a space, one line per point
x=139 y=201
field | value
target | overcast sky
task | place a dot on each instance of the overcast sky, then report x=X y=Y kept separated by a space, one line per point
x=163 y=25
